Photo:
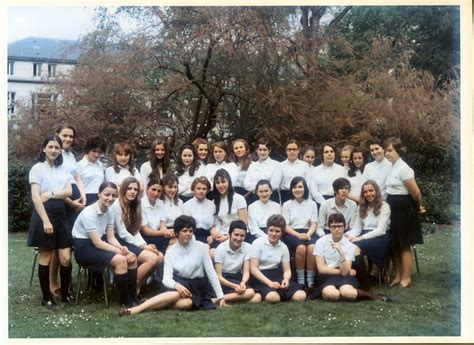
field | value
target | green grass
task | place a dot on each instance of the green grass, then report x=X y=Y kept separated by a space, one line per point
x=431 y=307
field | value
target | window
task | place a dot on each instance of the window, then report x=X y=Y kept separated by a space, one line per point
x=11 y=68
x=11 y=103
x=36 y=70
x=41 y=102
x=51 y=70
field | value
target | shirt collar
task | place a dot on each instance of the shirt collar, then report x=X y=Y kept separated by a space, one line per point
x=267 y=242
x=230 y=250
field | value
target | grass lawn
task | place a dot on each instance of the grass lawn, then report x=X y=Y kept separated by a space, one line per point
x=431 y=307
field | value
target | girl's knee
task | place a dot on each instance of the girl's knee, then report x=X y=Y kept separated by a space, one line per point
x=299 y=296
x=272 y=297
x=330 y=293
x=348 y=292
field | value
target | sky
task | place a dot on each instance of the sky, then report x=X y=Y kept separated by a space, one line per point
x=49 y=22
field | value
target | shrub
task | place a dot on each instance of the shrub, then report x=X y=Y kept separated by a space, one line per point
x=20 y=206
x=440 y=192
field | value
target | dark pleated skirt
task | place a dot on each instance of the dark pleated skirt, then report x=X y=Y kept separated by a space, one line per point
x=292 y=242
x=336 y=280
x=199 y=291
x=376 y=249
x=71 y=211
x=61 y=236
x=86 y=254
x=91 y=198
x=275 y=274
x=235 y=278
x=405 y=226
x=202 y=235
x=131 y=247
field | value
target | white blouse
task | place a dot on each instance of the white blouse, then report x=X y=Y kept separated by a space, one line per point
x=231 y=167
x=117 y=178
x=261 y=170
x=172 y=210
x=258 y=213
x=399 y=172
x=69 y=162
x=321 y=180
x=300 y=215
x=49 y=178
x=185 y=181
x=232 y=260
x=269 y=256
x=201 y=211
x=377 y=224
x=92 y=175
x=92 y=219
x=288 y=170
x=223 y=219
x=378 y=171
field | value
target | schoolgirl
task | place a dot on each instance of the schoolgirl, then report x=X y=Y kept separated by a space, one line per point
x=290 y=168
x=220 y=160
x=96 y=246
x=355 y=174
x=345 y=156
x=187 y=271
x=187 y=170
x=90 y=168
x=232 y=264
x=229 y=206
x=379 y=168
x=301 y=216
x=370 y=230
x=260 y=210
x=202 y=209
x=202 y=148
x=242 y=157
x=262 y=169
x=154 y=229
x=337 y=204
x=270 y=265
x=159 y=163
x=404 y=198
x=173 y=205
x=308 y=155
x=322 y=177
x=48 y=230
x=123 y=165
x=128 y=222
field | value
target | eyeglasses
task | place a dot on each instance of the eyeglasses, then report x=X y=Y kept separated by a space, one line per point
x=336 y=226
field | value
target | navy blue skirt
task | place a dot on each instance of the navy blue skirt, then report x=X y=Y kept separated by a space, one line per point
x=376 y=248
x=275 y=274
x=202 y=235
x=185 y=198
x=91 y=198
x=235 y=278
x=131 y=247
x=61 y=236
x=405 y=226
x=292 y=241
x=71 y=211
x=160 y=242
x=199 y=291
x=86 y=254
x=336 y=280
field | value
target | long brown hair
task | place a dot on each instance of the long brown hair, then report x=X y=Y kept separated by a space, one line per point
x=127 y=149
x=131 y=210
x=248 y=155
x=377 y=203
x=155 y=163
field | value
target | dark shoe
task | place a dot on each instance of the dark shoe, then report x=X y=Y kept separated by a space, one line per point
x=124 y=311
x=70 y=299
x=386 y=298
x=51 y=305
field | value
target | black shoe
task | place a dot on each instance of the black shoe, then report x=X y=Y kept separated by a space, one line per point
x=69 y=299
x=51 y=305
x=386 y=298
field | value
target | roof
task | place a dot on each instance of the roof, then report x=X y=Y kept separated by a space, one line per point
x=37 y=48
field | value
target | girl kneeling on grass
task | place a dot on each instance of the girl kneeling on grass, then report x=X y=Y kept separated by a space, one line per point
x=186 y=263
x=270 y=265
x=96 y=247
x=232 y=265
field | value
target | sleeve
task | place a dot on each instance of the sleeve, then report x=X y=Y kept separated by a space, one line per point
x=253 y=227
x=406 y=173
x=314 y=189
x=211 y=272
x=314 y=212
x=383 y=223
x=246 y=251
x=318 y=248
x=138 y=237
x=285 y=257
x=121 y=229
x=351 y=220
x=350 y=253
x=322 y=219
x=144 y=218
x=35 y=175
x=356 y=230
x=168 y=280
x=219 y=257
x=240 y=201
x=249 y=184
x=285 y=212
x=110 y=175
x=137 y=175
x=233 y=172
x=88 y=223
x=276 y=177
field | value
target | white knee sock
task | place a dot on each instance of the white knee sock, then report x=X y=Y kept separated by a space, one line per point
x=310 y=278
x=300 y=276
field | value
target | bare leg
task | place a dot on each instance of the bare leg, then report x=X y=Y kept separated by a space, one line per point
x=348 y=292
x=300 y=257
x=397 y=266
x=330 y=293
x=147 y=262
x=157 y=302
x=53 y=274
x=406 y=264
x=235 y=297
x=272 y=297
x=299 y=296
x=183 y=304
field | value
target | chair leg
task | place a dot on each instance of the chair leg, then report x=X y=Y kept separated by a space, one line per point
x=104 y=282
x=79 y=271
x=416 y=260
x=35 y=257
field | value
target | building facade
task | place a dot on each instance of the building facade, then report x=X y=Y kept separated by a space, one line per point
x=32 y=63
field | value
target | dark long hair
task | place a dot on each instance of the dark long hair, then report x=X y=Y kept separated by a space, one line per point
x=42 y=156
x=168 y=180
x=294 y=182
x=181 y=168
x=222 y=174
x=155 y=162
x=131 y=210
x=222 y=145
x=352 y=167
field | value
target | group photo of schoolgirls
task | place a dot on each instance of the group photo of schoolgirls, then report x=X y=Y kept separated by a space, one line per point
x=213 y=223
